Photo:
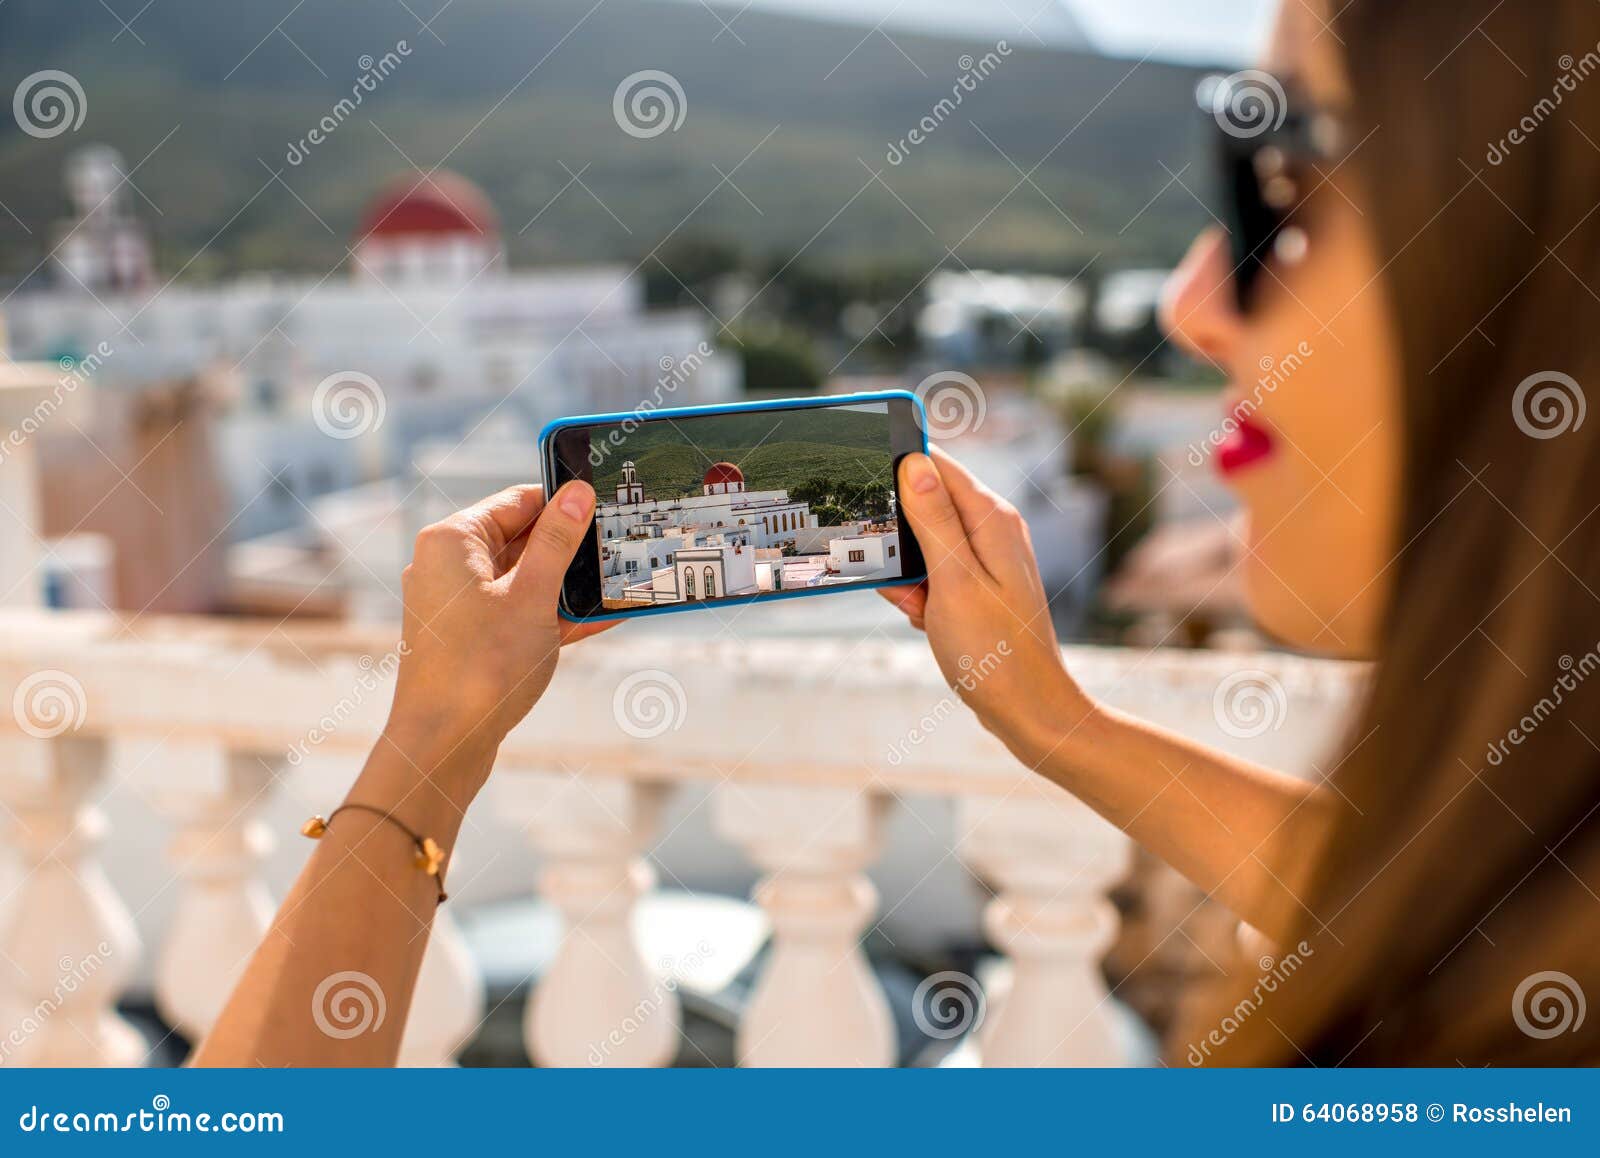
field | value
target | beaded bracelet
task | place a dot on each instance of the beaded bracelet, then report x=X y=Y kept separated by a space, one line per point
x=429 y=858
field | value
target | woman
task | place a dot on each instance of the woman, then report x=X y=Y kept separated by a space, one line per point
x=1414 y=493
x=1420 y=490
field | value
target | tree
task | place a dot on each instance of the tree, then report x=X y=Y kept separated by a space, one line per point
x=779 y=360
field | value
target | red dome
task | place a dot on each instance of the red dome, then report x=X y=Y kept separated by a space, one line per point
x=442 y=204
x=724 y=472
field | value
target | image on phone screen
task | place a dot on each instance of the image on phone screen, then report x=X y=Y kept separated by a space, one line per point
x=700 y=508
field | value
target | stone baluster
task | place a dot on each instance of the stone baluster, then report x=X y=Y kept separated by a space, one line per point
x=223 y=909
x=818 y=1002
x=68 y=943
x=1051 y=860
x=600 y=1003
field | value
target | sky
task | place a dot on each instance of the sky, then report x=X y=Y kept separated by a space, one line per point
x=1209 y=31
x=1221 y=30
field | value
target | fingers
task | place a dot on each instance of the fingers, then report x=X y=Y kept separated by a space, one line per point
x=506 y=516
x=974 y=502
x=996 y=531
x=562 y=527
x=933 y=515
x=911 y=599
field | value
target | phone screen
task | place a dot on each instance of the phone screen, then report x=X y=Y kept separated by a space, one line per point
x=699 y=508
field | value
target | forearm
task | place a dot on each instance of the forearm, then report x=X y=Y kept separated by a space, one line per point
x=360 y=908
x=1243 y=833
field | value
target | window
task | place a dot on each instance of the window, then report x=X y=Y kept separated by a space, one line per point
x=891 y=550
x=630 y=565
x=711 y=583
x=858 y=556
x=688 y=582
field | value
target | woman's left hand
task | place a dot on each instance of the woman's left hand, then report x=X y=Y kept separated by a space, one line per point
x=480 y=628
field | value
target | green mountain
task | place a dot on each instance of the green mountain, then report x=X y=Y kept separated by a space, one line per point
x=1050 y=159
x=815 y=454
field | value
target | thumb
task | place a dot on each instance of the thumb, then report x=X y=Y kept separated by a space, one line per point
x=932 y=514
x=562 y=528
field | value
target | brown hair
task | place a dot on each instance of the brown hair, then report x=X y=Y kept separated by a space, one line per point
x=1454 y=915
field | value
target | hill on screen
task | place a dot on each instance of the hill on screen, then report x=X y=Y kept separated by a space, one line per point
x=776 y=450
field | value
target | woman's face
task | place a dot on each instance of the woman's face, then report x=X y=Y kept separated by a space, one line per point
x=1312 y=425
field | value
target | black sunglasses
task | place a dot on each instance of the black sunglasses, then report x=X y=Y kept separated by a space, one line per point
x=1265 y=140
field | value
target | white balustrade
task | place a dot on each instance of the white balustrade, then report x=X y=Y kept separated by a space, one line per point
x=223 y=909
x=1052 y=860
x=818 y=1002
x=804 y=743
x=69 y=943
x=600 y=1003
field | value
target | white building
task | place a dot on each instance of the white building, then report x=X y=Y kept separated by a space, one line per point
x=865 y=556
x=727 y=540
x=325 y=383
x=712 y=571
x=815 y=540
x=766 y=518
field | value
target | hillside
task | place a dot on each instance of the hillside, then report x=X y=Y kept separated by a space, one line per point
x=846 y=448
x=207 y=99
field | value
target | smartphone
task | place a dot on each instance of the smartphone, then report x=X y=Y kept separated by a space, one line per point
x=711 y=505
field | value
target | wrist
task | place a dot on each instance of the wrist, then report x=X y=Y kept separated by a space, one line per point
x=1049 y=728
x=427 y=769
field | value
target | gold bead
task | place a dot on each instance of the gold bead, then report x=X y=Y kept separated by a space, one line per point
x=430 y=857
x=314 y=828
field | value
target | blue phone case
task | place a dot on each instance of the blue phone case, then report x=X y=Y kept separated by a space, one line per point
x=730 y=408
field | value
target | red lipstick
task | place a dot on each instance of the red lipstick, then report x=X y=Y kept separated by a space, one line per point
x=1247 y=445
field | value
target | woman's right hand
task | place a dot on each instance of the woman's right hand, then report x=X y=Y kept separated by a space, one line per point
x=984 y=608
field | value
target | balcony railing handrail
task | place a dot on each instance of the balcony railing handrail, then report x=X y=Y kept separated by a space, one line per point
x=808 y=746
x=822 y=711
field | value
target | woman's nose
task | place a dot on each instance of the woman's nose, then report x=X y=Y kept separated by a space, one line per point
x=1198 y=309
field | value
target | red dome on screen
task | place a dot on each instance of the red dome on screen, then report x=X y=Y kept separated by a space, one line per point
x=723 y=472
x=445 y=203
